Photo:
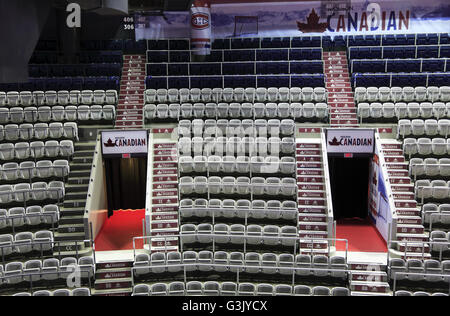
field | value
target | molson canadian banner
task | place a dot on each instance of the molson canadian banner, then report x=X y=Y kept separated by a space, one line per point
x=356 y=141
x=201 y=27
x=277 y=18
x=124 y=142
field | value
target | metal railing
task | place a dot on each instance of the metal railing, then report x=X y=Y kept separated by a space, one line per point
x=423 y=245
x=445 y=278
x=294 y=242
x=45 y=246
x=241 y=268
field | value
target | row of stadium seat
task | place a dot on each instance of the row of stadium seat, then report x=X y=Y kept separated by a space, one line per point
x=35 y=215
x=12 y=171
x=243 y=164
x=270 y=110
x=417 y=269
x=239 y=95
x=429 y=167
x=402 y=65
x=36 y=149
x=213 y=288
x=69 y=113
x=419 y=293
x=75 y=70
x=220 y=261
x=442 y=237
x=429 y=212
x=82 y=291
x=36 y=191
x=242 y=185
x=237 y=68
x=401 y=80
x=398 y=39
x=376 y=111
x=228 y=208
x=62 y=97
x=400 y=52
x=237 y=146
x=39 y=131
x=429 y=127
x=85 y=57
x=52 y=269
x=406 y=94
x=435 y=189
x=235 y=127
x=64 y=83
x=278 y=81
x=269 y=235
x=164 y=56
x=426 y=146
x=308 y=41
x=25 y=242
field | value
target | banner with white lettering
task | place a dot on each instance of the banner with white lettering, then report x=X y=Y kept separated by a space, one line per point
x=119 y=142
x=343 y=17
x=355 y=141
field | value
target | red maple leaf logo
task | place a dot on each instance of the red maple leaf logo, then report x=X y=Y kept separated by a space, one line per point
x=312 y=25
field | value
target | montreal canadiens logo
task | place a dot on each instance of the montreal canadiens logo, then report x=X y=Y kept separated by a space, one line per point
x=200 y=21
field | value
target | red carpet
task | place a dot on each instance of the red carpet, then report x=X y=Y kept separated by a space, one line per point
x=361 y=234
x=118 y=231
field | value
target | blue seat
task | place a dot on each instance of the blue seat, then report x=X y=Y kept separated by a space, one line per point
x=158 y=44
x=389 y=40
x=178 y=82
x=179 y=57
x=433 y=65
x=178 y=69
x=77 y=83
x=364 y=53
x=65 y=84
x=216 y=56
x=157 y=69
x=376 y=52
x=156 y=82
x=444 y=38
x=179 y=44
x=388 y=52
x=409 y=52
x=221 y=43
x=428 y=52
x=444 y=51
x=249 y=82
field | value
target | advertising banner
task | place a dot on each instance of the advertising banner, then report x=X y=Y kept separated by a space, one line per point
x=201 y=27
x=120 y=142
x=355 y=141
x=281 y=19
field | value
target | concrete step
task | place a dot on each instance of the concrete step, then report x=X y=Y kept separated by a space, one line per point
x=75 y=203
x=113 y=284
x=79 y=173
x=71 y=228
x=80 y=180
x=370 y=287
x=76 y=211
x=72 y=188
x=71 y=220
x=77 y=236
x=115 y=292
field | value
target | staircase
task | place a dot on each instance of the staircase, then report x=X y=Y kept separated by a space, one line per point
x=71 y=224
x=409 y=224
x=130 y=113
x=312 y=197
x=341 y=102
x=164 y=220
x=113 y=279
x=368 y=279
